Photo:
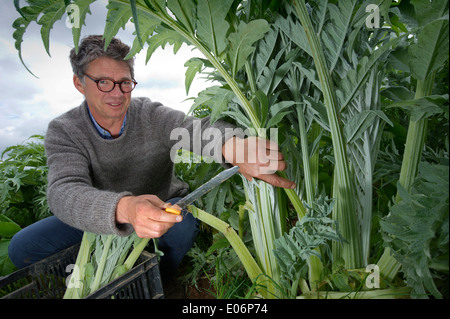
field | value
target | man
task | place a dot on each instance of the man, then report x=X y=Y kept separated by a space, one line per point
x=109 y=162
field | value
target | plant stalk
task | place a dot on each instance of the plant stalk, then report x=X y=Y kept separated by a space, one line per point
x=101 y=265
x=345 y=210
x=254 y=272
x=77 y=281
x=415 y=142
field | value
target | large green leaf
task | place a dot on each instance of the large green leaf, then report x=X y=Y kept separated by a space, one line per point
x=294 y=31
x=242 y=42
x=417 y=231
x=359 y=123
x=118 y=16
x=334 y=34
x=216 y=98
x=51 y=14
x=36 y=9
x=424 y=107
x=357 y=76
x=163 y=37
x=194 y=66
x=83 y=6
x=185 y=12
x=6 y=265
x=427 y=11
x=149 y=25
x=264 y=52
x=431 y=50
x=212 y=27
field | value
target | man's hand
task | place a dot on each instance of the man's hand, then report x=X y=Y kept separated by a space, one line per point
x=146 y=214
x=257 y=157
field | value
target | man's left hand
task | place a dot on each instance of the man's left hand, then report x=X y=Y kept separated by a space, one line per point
x=257 y=157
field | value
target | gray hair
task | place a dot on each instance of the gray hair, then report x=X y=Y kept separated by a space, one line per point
x=92 y=47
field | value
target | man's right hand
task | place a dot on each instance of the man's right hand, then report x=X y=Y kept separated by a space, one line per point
x=147 y=215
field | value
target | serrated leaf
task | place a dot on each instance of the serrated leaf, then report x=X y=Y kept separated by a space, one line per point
x=194 y=66
x=279 y=111
x=361 y=121
x=264 y=52
x=51 y=14
x=398 y=93
x=212 y=27
x=149 y=25
x=294 y=31
x=424 y=107
x=117 y=17
x=356 y=77
x=241 y=42
x=216 y=98
x=163 y=37
x=136 y=22
x=185 y=11
x=334 y=34
x=261 y=104
x=29 y=14
x=415 y=224
x=84 y=9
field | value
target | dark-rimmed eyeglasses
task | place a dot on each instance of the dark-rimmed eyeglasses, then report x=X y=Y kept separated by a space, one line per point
x=107 y=85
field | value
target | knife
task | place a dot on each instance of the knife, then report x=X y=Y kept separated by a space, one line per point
x=202 y=190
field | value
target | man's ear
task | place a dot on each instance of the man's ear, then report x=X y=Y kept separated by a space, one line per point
x=78 y=84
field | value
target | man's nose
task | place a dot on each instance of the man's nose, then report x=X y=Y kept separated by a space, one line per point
x=116 y=91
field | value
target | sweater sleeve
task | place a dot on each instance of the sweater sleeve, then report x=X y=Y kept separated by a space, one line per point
x=71 y=195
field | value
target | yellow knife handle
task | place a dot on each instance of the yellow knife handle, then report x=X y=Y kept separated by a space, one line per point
x=173 y=210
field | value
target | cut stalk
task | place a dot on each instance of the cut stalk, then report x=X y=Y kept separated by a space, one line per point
x=135 y=253
x=76 y=284
x=101 y=265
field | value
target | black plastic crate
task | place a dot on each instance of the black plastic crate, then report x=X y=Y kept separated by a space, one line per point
x=46 y=279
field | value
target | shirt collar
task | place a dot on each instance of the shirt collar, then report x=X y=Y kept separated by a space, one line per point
x=104 y=133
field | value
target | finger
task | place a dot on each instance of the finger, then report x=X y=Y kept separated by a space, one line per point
x=155 y=200
x=161 y=215
x=272 y=156
x=271 y=145
x=149 y=233
x=278 y=181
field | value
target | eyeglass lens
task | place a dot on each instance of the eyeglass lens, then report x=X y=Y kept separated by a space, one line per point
x=108 y=85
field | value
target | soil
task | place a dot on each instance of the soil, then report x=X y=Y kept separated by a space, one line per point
x=204 y=290
x=174 y=289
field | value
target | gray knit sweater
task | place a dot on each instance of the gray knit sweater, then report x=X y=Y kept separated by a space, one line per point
x=88 y=175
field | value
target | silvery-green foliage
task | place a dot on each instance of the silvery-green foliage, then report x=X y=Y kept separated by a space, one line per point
x=313 y=231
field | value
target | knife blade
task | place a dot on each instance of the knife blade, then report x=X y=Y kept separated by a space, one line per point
x=202 y=190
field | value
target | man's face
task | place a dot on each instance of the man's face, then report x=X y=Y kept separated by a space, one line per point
x=107 y=108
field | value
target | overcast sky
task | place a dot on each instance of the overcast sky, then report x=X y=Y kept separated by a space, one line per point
x=27 y=103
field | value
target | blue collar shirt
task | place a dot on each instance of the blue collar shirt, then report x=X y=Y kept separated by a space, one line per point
x=104 y=133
